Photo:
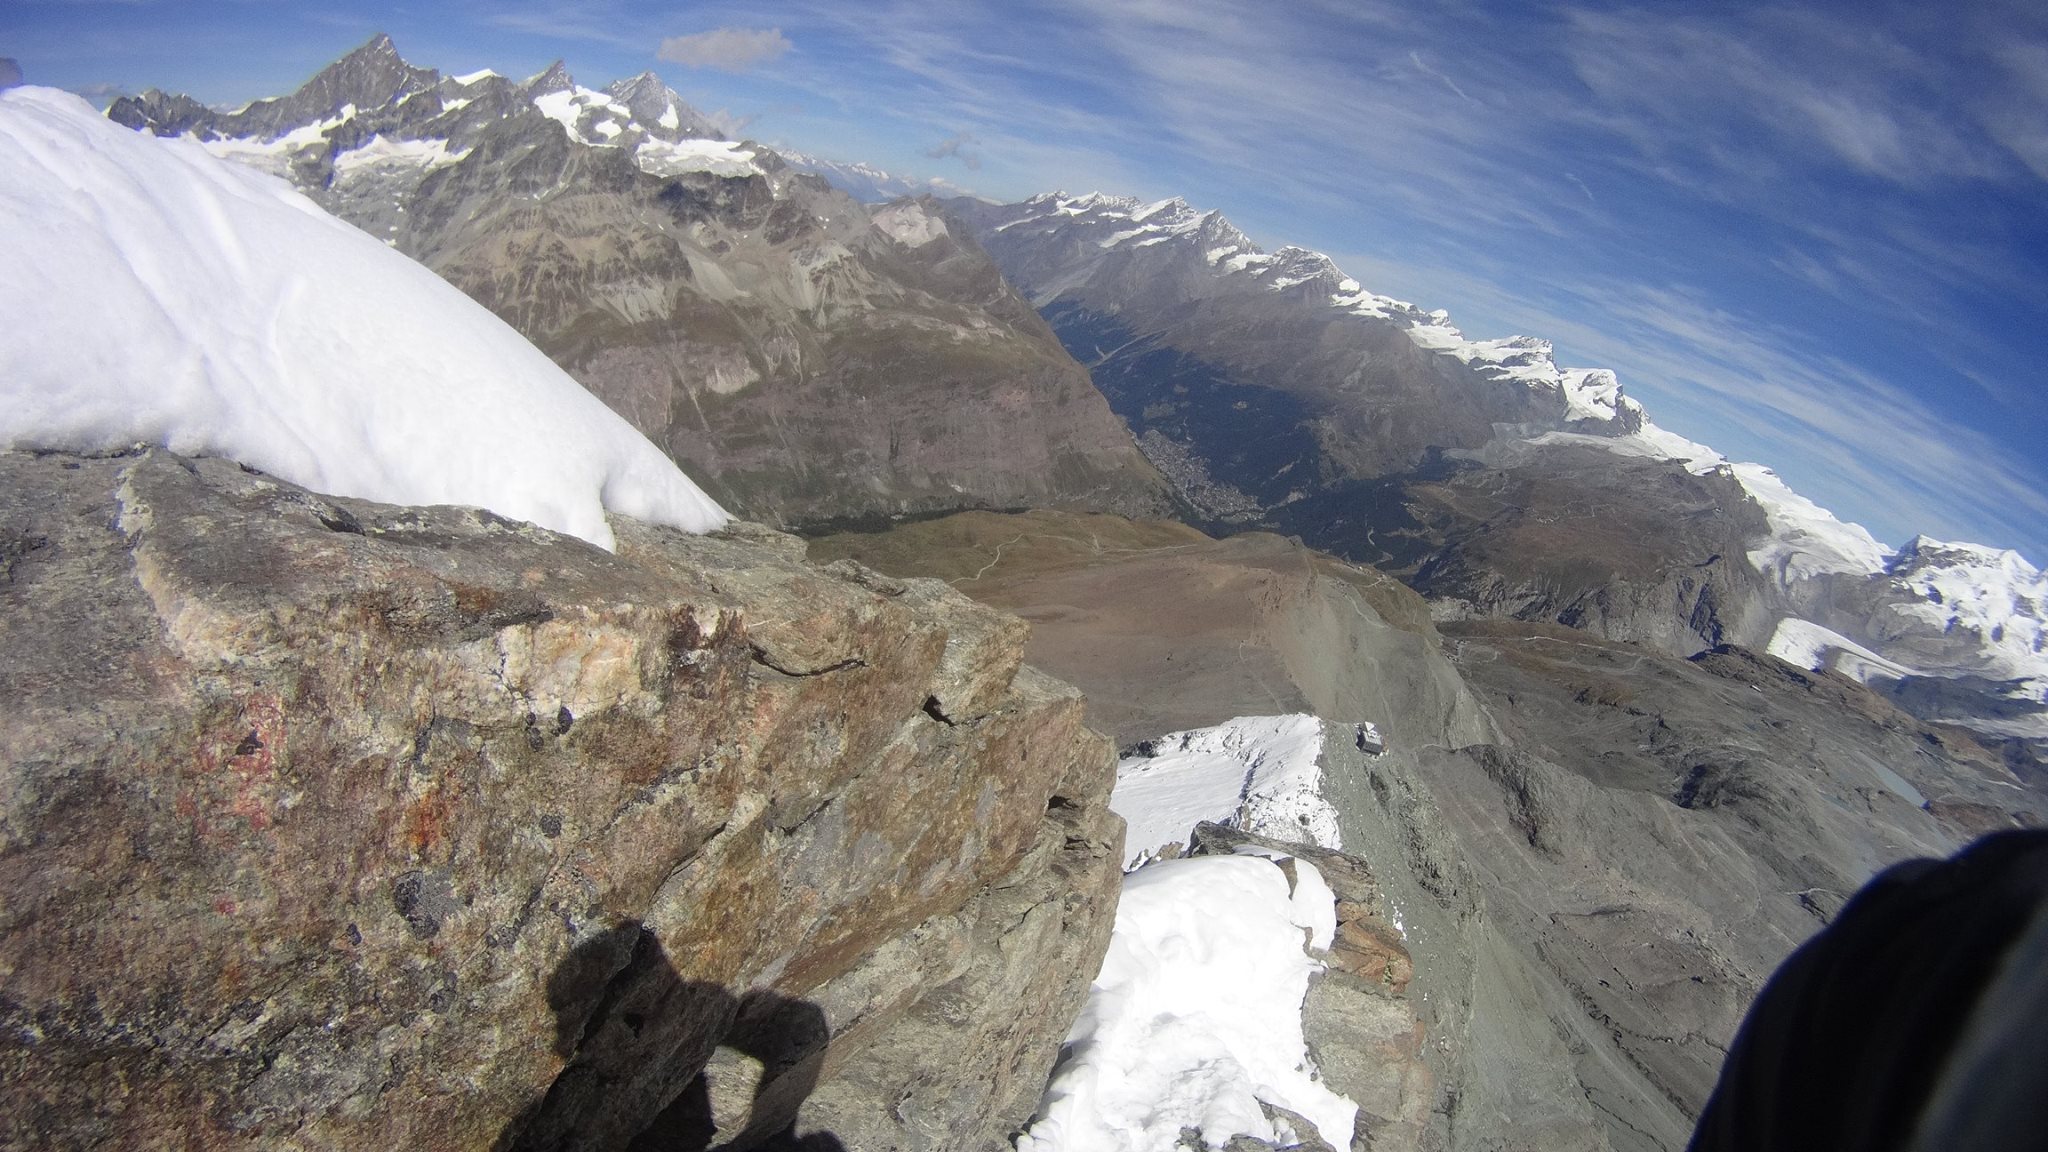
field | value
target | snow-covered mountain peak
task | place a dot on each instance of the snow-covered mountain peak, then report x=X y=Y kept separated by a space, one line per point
x=1173 y=204
x=397 y=119
x=554 y=78
x=1923 y=553
x=164 y=297
x=1806 y=540
x=656 y=108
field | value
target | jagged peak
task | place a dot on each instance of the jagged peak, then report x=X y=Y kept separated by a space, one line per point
x=646 y=83
x=369 y=76
x=554 y=78
x=378 y=46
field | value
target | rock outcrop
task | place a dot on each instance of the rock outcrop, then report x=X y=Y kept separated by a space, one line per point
x=337 y=825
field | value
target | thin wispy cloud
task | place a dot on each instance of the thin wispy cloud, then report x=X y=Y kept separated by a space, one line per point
x=588 y=23
x=1426 y=70
x=726 y=49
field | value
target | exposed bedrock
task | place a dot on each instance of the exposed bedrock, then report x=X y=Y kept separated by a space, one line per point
x=330 y=824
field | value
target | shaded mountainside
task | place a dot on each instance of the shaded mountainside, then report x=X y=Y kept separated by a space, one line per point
x=1599 y=851
x=1277 y=393
x=332 y=824
x=803 y=359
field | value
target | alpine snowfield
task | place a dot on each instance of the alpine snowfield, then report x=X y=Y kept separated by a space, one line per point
x=167 y=297
x=1257 y=773
x=1196 y=1017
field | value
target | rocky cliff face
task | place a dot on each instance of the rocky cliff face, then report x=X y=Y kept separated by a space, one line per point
x=803 y=359
x=336 y=825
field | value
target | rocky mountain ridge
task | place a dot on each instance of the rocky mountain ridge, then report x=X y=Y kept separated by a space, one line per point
x=803 y=364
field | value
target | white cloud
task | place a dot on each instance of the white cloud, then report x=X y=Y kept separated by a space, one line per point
x=726 y=49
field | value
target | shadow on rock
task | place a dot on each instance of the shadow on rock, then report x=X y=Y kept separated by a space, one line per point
x=657 y=1063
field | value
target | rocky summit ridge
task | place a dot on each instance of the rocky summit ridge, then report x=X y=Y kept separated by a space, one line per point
x=331 y=824
x=801 y=363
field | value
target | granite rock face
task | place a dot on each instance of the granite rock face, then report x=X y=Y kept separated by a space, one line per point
x=329 y=824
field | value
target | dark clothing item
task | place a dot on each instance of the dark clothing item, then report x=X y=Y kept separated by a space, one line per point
x=1916 y=1022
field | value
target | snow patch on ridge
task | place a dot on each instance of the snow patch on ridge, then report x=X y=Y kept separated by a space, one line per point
x=595 y=119
x=1258 y=773
x=1196 y=1015
x=1806 y=539
x=1809 y=645
x=275 y=156
x=377 y=152
x=156 y=294
x=909 y=224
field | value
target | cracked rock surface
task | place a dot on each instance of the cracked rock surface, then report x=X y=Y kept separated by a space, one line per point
x=330 y=824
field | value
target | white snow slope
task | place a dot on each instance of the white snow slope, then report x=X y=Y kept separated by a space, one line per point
x=1196 y=1016
x=1258 y=773
x=594 y=118
x=155 y=294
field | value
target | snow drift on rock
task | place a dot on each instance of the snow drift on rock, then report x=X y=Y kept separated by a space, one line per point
x=1258 y=773
x=1196 y=1016
x=156 y=294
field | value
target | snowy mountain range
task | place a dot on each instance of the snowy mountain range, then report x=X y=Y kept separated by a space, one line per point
x=867 y=183
x=1956 y=629
x=1366 y=424
x=803 y=363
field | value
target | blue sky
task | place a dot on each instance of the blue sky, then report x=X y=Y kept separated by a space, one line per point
x=1811 y=235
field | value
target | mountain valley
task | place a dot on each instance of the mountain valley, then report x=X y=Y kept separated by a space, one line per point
x=783 y=813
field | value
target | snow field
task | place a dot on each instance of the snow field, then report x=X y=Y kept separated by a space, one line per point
x=1196 y=1015
x=156 y=294
x=1258 y=773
